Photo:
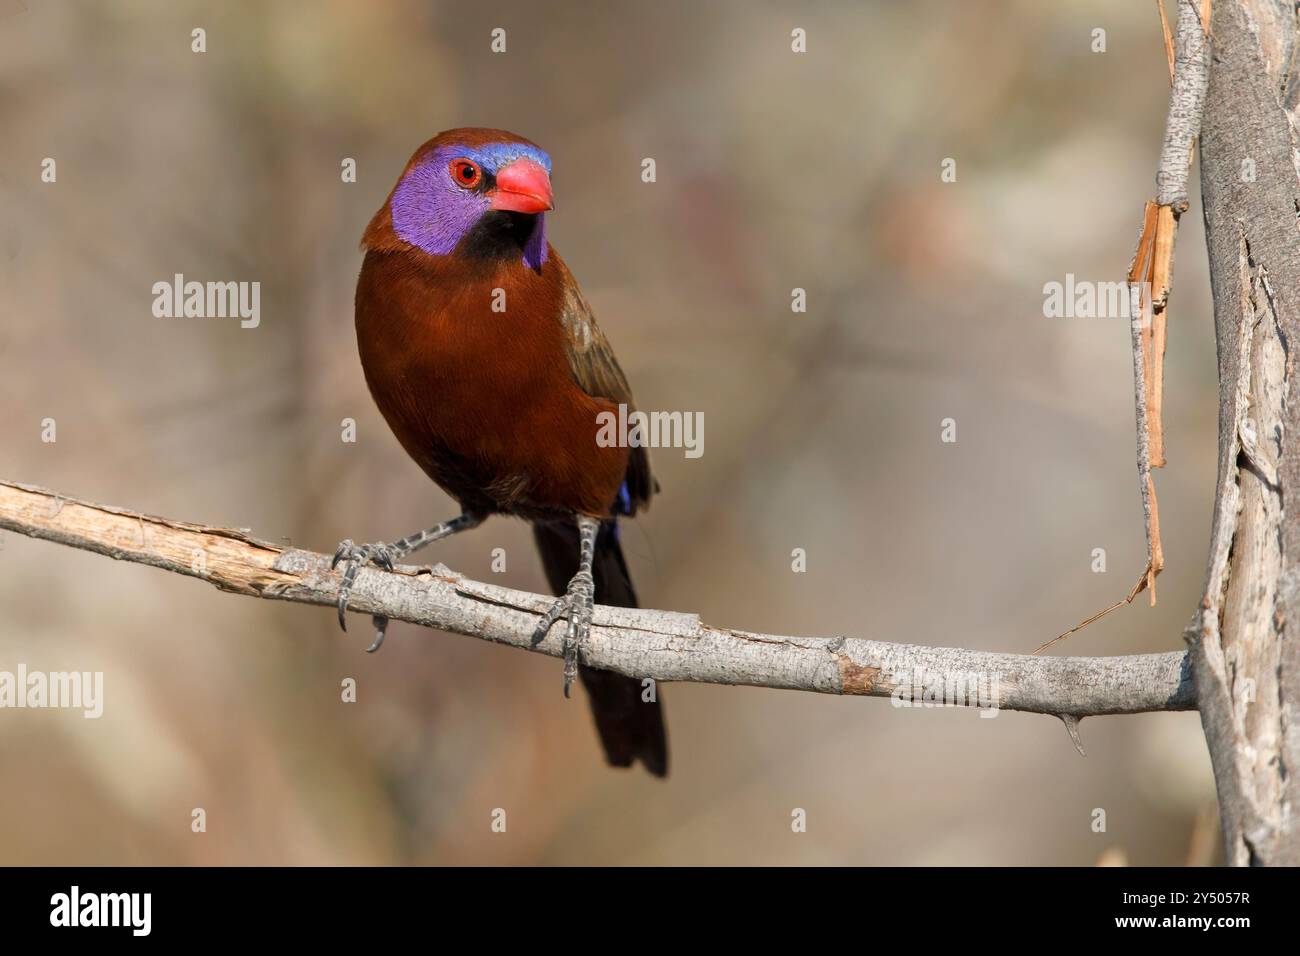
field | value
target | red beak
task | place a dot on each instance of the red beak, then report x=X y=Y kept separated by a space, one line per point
x=522 y=186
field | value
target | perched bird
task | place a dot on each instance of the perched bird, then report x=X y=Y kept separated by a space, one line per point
x=486 y=362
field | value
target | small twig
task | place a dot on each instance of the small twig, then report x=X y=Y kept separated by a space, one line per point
x=1136 y=590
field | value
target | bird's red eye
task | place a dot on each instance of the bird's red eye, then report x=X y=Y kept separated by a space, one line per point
x=465 y=173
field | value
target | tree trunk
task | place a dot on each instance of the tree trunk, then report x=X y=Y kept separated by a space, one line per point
x=1245 y=637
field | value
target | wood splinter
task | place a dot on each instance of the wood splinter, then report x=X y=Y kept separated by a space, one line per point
x=1151 y=271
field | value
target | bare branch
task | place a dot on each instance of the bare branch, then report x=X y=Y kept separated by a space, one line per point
x=1186 y=102
x=660 y=644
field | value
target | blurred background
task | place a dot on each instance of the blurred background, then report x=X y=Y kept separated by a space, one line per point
x=776 y=170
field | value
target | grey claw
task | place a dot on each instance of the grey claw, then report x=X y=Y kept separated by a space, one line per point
x=357 y=558
x=345 y=547
x=381 y=626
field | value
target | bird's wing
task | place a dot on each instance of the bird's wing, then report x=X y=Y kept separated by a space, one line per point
x=597 y=372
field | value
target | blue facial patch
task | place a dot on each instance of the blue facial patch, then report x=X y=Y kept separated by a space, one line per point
x=495 y=155
x=430 y=211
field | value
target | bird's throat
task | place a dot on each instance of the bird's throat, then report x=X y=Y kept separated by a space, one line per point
x=500 y=236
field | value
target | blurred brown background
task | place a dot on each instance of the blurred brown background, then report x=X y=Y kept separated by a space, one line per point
x=775 y=171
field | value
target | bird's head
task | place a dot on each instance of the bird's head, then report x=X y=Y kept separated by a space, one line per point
x=481 y=193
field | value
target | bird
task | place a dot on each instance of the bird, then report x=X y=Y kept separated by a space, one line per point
x=484 y=358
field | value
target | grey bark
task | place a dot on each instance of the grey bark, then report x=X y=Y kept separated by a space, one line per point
x=1245 y=637
x=1186 y=99
x=664 y=645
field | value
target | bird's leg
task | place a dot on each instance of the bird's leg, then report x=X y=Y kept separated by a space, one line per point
x=385 y=556
x=577 y=603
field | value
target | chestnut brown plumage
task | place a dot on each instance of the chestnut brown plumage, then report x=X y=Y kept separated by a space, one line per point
x=487 y=363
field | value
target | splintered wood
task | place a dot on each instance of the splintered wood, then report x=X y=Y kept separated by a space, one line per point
x=1148 y=281
x=1151 y=270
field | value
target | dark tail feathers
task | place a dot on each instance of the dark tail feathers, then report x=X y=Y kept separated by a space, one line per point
x=630 y=729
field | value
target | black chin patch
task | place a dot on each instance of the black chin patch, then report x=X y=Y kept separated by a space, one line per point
x=498 y=235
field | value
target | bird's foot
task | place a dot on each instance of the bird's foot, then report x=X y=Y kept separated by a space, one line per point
x=358 y=556
x=386 y=556
x=576 y=605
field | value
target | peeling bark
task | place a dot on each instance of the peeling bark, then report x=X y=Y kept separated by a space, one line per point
x=1244 y=651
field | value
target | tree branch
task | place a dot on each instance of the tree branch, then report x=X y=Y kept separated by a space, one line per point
x=1243 y=636
x=661 y=644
